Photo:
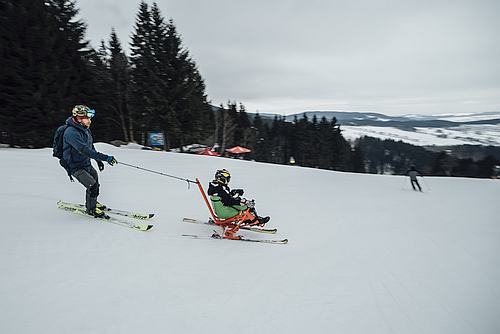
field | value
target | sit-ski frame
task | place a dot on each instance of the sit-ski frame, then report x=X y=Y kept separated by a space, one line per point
x=231 y=225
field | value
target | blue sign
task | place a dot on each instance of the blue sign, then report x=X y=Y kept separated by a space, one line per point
x=156 y=139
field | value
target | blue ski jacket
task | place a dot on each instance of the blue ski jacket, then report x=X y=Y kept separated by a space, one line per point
x=78 y=147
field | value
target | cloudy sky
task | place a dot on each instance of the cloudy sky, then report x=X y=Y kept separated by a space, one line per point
x=286 y=56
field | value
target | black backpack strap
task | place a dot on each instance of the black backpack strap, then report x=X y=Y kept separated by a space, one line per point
x=63 y=162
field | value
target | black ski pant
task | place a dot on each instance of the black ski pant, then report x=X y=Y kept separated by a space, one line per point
x=90 y=180
x=413 y=182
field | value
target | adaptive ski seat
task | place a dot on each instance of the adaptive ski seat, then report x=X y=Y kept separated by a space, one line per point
x=230 y=225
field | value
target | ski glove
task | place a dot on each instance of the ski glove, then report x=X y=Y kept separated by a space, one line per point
x=251 y=204
x=100 y=165
x=248 y=203
x=111 y=160
x=237 y=192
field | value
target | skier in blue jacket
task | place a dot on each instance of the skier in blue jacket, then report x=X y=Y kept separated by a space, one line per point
x=78 y=148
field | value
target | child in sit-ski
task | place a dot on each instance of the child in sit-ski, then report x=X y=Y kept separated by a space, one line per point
x=228 y=203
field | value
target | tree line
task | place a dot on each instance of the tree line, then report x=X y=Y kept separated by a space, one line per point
x=301 y=141
x=396 y=157
x=48 y=67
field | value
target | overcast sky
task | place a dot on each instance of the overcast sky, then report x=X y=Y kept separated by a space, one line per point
x=287 y=56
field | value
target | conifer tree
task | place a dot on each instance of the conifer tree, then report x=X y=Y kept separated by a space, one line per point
x=227 y=120
x=313 y=153
x=279 y=137
x=73 y=79
x=100 y=100
x=301 y=140
x=485 y=166
x=340 y=150
x=261 y=147
x=190 y=115
x=325 y=138
x=167 y=89
x=19 y=83
x=120 y=80
x=197 y=115
x=142 y=72
x=358 y=160
x=41 y=51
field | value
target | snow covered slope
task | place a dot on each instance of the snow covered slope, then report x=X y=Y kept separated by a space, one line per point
x=366 y=253
x=485 y=134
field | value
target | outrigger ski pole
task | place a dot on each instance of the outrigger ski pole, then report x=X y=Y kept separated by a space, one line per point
x=428 y=189
x=163 y=174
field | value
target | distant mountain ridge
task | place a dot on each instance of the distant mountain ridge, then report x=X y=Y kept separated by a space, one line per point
x=422 y=130
x=356 y=118
x=403 y=122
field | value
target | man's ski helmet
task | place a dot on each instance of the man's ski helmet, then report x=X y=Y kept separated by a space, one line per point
x=223 y=176
x=81 y=110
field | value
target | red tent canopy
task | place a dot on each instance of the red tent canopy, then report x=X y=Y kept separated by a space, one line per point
x=239 y=149
x=207 y=151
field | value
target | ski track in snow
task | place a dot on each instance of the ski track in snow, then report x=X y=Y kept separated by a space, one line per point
x=366 y=253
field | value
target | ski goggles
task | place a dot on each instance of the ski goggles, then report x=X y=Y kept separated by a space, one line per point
x=224 y=178
x=90 y=113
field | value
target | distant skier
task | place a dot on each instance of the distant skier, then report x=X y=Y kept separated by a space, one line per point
x=412 y=173
x=228 y=203
x=78 y=148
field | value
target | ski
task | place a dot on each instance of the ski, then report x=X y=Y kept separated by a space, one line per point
x=122 y=222
x=216 y=236
x=248 y=228
x=142 y=216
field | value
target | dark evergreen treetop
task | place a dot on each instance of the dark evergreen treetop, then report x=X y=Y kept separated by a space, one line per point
x=168 y=92
x=43 y=68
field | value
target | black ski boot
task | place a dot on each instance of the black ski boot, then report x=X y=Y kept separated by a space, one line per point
x=97 y=213
x=264 y=220
x=101 y=207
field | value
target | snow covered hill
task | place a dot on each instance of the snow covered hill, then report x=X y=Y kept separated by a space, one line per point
x=345 y=117
x=419 y=130
x=366 y=254
x=485 y=134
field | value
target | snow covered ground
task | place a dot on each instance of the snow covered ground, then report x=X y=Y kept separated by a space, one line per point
x=366 y=254
x=458 y=117
x=485 y=134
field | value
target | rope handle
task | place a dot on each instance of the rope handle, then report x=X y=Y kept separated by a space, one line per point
x=163 y=174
